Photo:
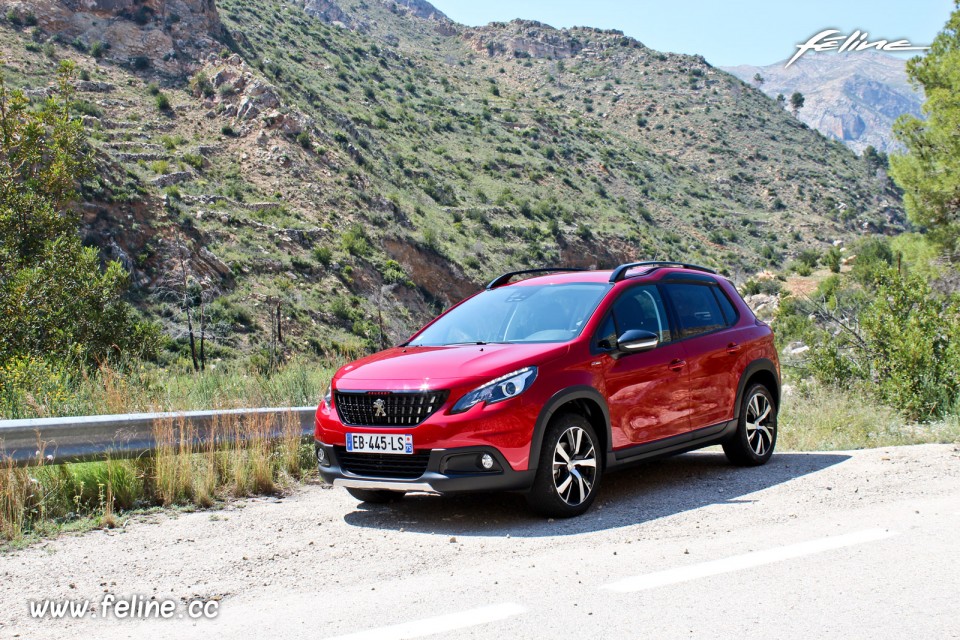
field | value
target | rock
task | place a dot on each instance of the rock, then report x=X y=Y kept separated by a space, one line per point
x=172 y=34
x=95 y=87
x=171 y=179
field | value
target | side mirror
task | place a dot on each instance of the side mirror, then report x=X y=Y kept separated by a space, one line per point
x=636 y=341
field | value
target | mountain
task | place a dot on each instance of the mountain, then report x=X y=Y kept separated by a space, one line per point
x=854 y=97
x=354 y=166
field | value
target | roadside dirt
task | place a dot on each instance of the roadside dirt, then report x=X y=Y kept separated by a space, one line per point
x=321 y=539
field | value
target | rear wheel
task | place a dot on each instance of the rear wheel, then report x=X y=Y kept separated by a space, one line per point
x=756 y=436
x=375 y=496
x=569 y=470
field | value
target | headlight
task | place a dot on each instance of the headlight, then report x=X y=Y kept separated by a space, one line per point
x=503 y=388
x=328 y=395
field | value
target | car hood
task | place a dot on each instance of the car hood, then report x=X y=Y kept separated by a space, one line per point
x=404 y=368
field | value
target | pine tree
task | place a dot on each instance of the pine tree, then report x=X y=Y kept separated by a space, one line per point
x=929 y=171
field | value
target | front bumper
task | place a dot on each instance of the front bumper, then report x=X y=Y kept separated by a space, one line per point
x=453 y=470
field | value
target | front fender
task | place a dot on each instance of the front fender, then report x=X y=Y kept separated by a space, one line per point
x=557 y=400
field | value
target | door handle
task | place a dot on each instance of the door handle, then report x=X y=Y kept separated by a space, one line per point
x=733 y=347
x=677 y=365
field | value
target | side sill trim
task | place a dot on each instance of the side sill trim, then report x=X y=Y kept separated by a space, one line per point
x=675 y=444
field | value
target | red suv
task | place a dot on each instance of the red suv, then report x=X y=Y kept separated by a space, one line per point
x=545 y=384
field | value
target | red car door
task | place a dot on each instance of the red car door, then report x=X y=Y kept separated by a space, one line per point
x=703 y=319
x=647 y=392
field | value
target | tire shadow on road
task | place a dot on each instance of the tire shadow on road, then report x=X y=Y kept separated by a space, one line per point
x=647 y=492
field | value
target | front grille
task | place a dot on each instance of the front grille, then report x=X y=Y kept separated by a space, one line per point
x=384 y=465
x=388 y=409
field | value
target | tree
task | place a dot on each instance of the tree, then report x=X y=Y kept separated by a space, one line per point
x=833 y=259
x=875 y=159
x=796 y=103
x=781 y=100
x=929 y=170
x=758 y=80
x=54 y=299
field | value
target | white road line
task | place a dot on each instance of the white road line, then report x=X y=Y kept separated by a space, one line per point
x=438 y=624
x=745 y=561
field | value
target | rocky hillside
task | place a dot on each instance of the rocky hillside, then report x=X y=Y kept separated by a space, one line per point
x=362 y=164
x=851 y=97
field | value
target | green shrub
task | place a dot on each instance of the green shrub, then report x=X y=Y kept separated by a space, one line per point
x=809 y=257
x=160 y=166
x=98 y=49
x=163 y=102
x=354 y=241
x=392 y=272
x=768 y=286
x=194 y=160
x=323 y=255
x=200 y=84
x=907 y=348
x=873 y=256
x=832 y=259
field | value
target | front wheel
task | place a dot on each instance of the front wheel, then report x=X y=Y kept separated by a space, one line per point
x=375 y=496
x=756 y=436
x=568 y=474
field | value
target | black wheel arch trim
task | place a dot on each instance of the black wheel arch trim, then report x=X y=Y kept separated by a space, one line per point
x=557 y=400
x=761 y=364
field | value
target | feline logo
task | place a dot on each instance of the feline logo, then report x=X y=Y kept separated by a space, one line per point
x=379 y=408
x=856 y=41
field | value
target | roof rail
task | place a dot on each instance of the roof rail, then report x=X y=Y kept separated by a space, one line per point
x=505 y=278
x=620 y=272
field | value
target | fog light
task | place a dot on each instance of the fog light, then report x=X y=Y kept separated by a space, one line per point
x=486 y=460
x=321 y=456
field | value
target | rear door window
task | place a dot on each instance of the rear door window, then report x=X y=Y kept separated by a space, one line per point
x=698 y=311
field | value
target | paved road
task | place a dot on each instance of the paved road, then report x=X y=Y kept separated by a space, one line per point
x=844 y=545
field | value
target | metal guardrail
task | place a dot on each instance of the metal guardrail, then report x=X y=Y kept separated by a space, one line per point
x=61 y=440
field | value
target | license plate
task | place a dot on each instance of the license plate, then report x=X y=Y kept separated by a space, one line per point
x=380 y=443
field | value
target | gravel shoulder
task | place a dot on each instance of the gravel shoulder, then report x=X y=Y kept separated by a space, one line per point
x=300 y=564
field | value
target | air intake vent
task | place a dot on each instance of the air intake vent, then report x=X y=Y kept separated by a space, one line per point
x=384 y=465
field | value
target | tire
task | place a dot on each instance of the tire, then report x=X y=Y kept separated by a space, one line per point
x=566 y=484
x=375 y=496
x=756 y=436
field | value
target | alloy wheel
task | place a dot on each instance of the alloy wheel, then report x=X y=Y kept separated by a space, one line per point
x=574 y=466
x=760 y=427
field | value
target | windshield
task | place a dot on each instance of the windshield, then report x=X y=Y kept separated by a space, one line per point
x=546 y=313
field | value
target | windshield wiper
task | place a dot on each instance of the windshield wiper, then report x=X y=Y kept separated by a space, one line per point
x=458 y=344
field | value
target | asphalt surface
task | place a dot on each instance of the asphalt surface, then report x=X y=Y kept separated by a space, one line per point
x=837 y=545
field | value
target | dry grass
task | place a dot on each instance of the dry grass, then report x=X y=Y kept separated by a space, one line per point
x=816 y=418
x=243 y=456
x=37 y=388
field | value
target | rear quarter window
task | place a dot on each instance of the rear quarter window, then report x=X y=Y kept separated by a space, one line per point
x=726 y=306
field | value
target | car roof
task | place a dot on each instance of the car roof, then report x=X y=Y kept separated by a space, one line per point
x=600 y=275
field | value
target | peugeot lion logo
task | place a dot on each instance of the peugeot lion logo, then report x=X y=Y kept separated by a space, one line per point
x=379 y=408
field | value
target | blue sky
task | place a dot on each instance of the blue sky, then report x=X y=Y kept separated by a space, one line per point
x=724 y=32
